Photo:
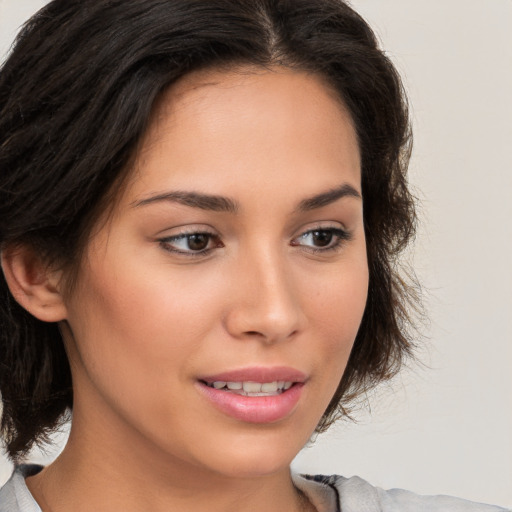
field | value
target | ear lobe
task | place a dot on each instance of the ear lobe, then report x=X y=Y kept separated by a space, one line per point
x=34 y=285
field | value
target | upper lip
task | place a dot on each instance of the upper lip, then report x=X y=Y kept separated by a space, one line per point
x=257 y=374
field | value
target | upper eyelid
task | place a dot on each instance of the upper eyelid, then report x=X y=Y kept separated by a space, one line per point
x=185 y=234
x=207 y=230
x=186 y=229
x=324 y=228
x=321 y=226
x=182 y=234
x=341 y=233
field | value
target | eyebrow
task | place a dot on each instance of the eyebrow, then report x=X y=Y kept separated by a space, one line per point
x=225 y=204
x=194 y=200
x=326 y=198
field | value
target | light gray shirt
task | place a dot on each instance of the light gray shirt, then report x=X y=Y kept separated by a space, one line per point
x=326 y=493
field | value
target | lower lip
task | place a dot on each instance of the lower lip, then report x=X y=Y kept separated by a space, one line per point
x=254 y=409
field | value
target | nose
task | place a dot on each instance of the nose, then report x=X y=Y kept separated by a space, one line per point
x=264 y=304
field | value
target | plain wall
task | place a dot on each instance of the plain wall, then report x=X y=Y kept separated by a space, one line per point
x=443 y=426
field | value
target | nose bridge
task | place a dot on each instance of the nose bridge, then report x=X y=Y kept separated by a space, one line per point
x=266 y=304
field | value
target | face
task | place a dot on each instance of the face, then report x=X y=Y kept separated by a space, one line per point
x=217 y=306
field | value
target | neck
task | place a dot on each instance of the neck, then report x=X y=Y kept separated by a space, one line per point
x=96 y=471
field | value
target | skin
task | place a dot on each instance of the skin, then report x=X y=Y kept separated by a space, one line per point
x=143 y=322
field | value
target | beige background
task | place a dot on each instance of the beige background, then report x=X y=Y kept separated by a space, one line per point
x=445 y=426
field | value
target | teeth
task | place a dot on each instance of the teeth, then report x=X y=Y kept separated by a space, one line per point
x=269 y=387
x=250 y=388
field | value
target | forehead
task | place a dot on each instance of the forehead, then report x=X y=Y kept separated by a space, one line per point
x=250 y=124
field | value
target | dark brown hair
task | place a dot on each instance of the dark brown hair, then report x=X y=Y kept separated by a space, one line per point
x=76 y=95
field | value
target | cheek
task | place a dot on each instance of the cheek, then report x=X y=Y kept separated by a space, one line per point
x=339 y=300
x=131 y=320
x=336 y=309
x=134 y=339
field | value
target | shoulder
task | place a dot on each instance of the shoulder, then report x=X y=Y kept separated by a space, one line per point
x=398 y=500
x=14 y=495
x=356 y=495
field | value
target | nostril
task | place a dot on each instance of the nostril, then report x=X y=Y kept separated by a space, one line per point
x=254 y=333
x=271 y=338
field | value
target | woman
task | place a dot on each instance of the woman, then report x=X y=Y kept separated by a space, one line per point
x=201 y=206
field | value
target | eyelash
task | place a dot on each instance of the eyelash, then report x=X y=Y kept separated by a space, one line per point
x=166 y=243
x=340 y=234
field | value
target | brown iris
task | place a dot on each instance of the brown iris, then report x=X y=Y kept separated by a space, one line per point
x=322 y=238
x=198 y=241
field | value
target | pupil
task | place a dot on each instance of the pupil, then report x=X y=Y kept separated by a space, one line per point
x=197 y=242
x=322 y=238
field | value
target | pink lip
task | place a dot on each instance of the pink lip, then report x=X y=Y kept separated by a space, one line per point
x=255 y=409
x=258 y=374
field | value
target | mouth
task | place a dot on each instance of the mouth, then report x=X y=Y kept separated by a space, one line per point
x=250 y=388
x=254 y=395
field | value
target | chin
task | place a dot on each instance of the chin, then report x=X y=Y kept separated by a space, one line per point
x=252 y=465
x=255 y=455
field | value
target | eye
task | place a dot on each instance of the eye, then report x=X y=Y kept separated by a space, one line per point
x=322 y=239
x=192 y=244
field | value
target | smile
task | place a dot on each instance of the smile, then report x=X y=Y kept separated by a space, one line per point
x=254 y=395
x=249 y=388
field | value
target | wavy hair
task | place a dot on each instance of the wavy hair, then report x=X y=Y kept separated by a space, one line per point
x=76 y=94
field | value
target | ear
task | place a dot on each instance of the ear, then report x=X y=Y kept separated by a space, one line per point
x=34 y=285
